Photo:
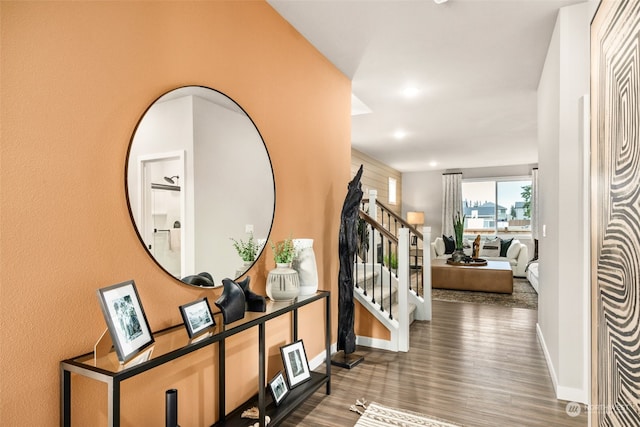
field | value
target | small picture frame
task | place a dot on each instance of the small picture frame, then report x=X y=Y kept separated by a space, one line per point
x=278 y=388
x=197 y=317
x=295 y=363
x=126 y=320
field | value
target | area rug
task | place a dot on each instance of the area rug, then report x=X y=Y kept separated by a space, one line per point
x=523 y=296
x=377 y=415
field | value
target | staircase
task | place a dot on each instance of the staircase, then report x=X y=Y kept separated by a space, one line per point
x=389 y=281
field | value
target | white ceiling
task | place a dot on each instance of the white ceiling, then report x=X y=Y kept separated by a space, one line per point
x=475 y=63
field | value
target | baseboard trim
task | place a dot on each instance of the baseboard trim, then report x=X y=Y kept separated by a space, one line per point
x=375 y=343
x=547 y=357
x=319 y=359
x=569 y=394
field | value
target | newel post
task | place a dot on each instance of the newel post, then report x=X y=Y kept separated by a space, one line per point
x=403 y=288
x=426 y=273
x=373 y=195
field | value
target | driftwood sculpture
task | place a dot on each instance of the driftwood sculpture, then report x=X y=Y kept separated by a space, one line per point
x=347 y=250
x=476 y=247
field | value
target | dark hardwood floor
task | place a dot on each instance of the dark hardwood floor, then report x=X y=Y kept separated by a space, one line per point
x=473 y=364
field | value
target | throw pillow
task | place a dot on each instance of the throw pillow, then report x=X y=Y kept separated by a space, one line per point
x=514 y=249
x=449 y=244
x=491 y=248
x=504 y=246
x=439 y=247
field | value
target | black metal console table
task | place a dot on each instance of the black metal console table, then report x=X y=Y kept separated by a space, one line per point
x=174 y=342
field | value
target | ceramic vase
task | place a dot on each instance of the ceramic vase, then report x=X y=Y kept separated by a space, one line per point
x=283 y=283
x=305 y=264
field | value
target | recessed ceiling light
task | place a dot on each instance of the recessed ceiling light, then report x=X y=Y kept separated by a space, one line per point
x=433 y=164
x=399 y=134
x=439 y=1
x=410 y=91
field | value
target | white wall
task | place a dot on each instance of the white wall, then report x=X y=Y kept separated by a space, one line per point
x=562 y=319
x=230 y=186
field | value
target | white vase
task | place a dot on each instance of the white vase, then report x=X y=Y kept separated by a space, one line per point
x=304 y=262
x=283 y=283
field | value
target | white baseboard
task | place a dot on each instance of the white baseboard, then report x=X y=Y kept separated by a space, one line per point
x=376 y=343
x=552 y=372
x=319 y=359
x=569 y=394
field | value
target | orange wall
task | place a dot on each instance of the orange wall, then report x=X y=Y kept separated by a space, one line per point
x=75 y=78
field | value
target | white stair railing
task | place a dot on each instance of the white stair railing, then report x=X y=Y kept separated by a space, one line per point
x=398 y=321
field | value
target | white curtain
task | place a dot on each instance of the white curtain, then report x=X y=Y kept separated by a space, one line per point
x=534 y=203
x=451 y=200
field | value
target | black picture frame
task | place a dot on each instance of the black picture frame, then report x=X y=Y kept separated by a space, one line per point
x=294 y=359
x=197 y=317
x=278 y=388
x=126 y=320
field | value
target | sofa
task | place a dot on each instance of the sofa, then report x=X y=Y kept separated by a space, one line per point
x=532 y=274
x=517 y=253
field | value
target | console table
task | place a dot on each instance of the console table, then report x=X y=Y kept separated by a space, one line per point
x=173 y=343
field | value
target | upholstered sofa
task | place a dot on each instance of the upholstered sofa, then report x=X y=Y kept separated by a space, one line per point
x=517 y=253
x=532 y=274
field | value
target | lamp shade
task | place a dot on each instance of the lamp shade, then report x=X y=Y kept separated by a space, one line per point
x=415 y=218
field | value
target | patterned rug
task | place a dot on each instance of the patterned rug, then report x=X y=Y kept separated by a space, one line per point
x=381 y=416
x=523 y=296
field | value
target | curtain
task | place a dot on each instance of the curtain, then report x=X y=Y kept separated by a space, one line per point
x=451 y=200
x=534 y=203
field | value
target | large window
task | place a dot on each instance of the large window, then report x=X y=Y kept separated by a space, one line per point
x=497 y=206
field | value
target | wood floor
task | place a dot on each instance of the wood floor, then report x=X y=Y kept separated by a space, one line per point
x=473 y=364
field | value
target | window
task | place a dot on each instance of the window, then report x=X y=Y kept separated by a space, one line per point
x=497 y=206
x=392 y=191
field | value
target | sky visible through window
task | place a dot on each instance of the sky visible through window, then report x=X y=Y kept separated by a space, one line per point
x=509 y=192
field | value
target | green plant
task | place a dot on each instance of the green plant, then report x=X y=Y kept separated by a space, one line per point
x=458 y=227
x=283 y=252
x=394 y=261
x=247 y=250
x=526 y=195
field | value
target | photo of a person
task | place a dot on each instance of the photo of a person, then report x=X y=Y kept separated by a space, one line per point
x=294 y=359
x=296 y=363
x=127 y=318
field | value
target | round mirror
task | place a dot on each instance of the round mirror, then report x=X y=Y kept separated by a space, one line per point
x=199 y=183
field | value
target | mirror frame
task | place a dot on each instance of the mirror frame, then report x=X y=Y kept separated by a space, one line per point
x=217 y=284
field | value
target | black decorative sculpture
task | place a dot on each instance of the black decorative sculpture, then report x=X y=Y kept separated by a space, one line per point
x=255 y=302
x=347 y=248
x=203 y=279
x=231 y=302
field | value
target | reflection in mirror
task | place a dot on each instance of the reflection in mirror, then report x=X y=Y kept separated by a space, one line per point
x=198 y=175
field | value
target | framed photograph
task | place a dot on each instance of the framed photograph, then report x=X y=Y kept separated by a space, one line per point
x=278 y=387
x=197 y=317
x=295 y=363
x=125 y=319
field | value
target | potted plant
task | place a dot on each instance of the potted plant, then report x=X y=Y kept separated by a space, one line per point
x=247 y=250
x=283 y=282
x=283 y=252
x=391 y=261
